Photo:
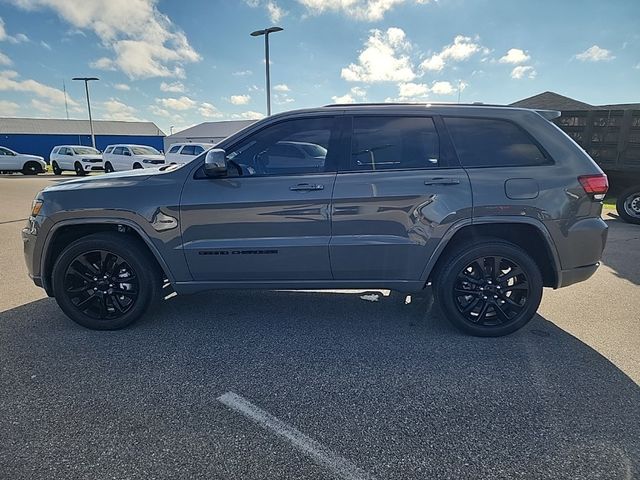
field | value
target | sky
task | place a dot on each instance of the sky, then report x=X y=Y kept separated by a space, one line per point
x=179 y=63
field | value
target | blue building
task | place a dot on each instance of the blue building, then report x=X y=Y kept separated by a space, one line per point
x=38 y=136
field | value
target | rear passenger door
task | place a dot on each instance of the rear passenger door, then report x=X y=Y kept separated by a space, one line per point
x=396 y=194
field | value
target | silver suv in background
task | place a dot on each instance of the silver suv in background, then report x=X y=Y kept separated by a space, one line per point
x=119 y=158
x=488 y=205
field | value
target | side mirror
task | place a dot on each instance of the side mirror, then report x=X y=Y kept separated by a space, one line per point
x=215 y=163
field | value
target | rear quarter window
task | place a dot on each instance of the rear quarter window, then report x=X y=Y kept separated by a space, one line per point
x=483 y=142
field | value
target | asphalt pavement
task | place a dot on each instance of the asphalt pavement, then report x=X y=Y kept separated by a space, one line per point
x=265 y=385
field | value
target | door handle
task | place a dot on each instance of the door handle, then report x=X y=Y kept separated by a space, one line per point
x=305 y=187
x=441 y=181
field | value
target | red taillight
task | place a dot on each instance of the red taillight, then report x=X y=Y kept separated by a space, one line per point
x=596 y=185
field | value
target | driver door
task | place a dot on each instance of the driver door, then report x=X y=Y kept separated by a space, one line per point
x=268 y=220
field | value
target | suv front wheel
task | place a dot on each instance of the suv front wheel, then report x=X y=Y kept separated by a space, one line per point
x=489 y=288
x=105 y=281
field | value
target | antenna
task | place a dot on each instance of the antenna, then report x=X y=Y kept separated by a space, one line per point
x=66 y=107
x=459 y=89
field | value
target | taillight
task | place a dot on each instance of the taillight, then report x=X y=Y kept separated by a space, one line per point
x=596 y=185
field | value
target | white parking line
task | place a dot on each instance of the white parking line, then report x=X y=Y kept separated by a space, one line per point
x=341 y=467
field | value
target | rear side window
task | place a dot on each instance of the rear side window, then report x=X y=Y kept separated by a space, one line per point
x=188 y=150
x=118 y=151
x=483 y=142
x=174 y=149
x=394 y=143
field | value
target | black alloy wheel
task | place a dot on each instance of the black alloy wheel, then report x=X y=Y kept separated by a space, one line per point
x=488 y=288
x=106 y=280
x=101 y=284
x=78 y=168
x=108 y=168
x=31 y=168
x=56 y=169
x=491 y=291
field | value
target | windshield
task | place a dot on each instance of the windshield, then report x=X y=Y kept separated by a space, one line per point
x=144 y=151
x=85 y=151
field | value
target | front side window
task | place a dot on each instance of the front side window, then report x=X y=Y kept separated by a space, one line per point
x=187 y=150
x=483 y=142
x=197 y=149
x=174 y=149
x=394 y=143
x=108 y=150
x=287 y=148
x=118 y=151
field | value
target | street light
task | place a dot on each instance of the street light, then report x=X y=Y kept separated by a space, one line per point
x=86 y=81
x=266 y=33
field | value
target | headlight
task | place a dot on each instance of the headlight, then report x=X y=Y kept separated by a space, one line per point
x=86 y=159
x=36 y=206
x=146 y=160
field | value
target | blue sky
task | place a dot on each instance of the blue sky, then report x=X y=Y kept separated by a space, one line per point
x=179 y=63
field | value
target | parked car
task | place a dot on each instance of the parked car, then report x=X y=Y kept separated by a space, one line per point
x=131 y=157
x=488 y=205
x=77 y=158
x=185 y=152
x=11 y=161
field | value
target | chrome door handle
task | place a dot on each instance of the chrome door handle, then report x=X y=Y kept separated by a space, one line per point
x=305 y=187
x=442 y=181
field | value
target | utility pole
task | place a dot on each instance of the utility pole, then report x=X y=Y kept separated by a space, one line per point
x=266 y=33
x=86 y=81
x=66 y=106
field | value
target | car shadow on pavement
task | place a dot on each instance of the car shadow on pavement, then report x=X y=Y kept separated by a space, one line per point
x=391 y=386
x=622 y=252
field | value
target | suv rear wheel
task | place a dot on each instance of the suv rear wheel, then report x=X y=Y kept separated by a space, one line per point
x=628 y=205
x=105 y=281
x=490 y=288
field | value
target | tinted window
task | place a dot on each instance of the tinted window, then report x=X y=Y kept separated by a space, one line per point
x=188 y=150
x=197 y=149
x=85 y=151
x=108 y=150
x=118 y=151
x=387 y=143
x=174 y=149
x=483 y=142
x=280 y=149
x=145 y=151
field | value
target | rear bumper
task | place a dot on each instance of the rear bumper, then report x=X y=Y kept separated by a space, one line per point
x=575 y=275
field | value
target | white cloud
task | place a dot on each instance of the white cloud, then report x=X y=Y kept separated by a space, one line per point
x=355 y=94
x=242 y=73
x=122 y=86
x=44 y=44
x=5 y=60
x=161 y=112
x=522 y=71
x=174 y=87
x=239 y=99
x=43 y=107
x=182 y=103
x=144 y=41
x=461 y=49
x=369 y=10
x=116 y=110
x=595 y=54
x=9 y=82
x=281 y=87
x=410 y=90
x=250 y=115
x=103 y=63
x=383 y=59
x=275 y=12
x=443 y=88
x=207 y=110
x=8 y=109
x=515 y=56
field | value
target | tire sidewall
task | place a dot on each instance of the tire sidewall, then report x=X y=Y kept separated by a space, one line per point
x=108 y=168
x=128 y=249
x=56 y=169
x=448 y=275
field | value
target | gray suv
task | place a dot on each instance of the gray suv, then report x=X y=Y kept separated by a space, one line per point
x=488 y=204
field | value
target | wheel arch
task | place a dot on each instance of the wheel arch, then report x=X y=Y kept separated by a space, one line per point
x=528 y=233
x=67 y=231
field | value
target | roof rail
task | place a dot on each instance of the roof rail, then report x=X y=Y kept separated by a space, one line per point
x=416 y=104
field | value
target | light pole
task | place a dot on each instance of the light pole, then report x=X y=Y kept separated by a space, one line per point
x=86 y=81
x=266 y=33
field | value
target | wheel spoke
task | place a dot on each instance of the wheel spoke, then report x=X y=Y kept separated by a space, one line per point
x=500 y=313
x=514 y=272
x=462 y=291
x=471 y=305
x=517 y=286
x=497 y=261
x=87 y=301
x=78 y=274
x=483 y=312
x=82 y=259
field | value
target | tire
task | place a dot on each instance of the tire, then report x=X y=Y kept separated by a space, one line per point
x=78 y=168
x=509 y=298
x=108 y=168
x=31 y=168
x=628 y=205
x=56 y=169
x=137 y=166
x=133 y=280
